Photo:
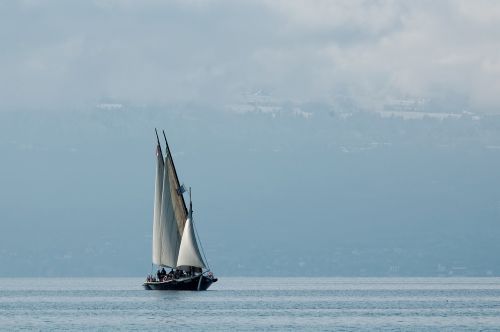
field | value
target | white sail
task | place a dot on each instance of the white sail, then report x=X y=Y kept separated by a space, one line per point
x=189 y=254
x=157 y=206
x=170 y=235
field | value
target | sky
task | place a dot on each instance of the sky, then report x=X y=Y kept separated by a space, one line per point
x=58 y=53
x=321 y=138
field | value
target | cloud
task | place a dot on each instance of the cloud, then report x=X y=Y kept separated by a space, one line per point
x=59 y=54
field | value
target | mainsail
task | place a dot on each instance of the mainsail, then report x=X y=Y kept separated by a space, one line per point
x=177 y=200
x=157 y=205
x=169 y=222
x=189 y=253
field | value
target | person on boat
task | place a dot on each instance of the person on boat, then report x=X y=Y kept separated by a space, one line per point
x=158 y=274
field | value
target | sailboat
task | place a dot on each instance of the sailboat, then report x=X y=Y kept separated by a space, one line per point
x=175 y=242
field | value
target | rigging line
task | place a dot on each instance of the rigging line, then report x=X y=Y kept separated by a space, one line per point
x=199 y=241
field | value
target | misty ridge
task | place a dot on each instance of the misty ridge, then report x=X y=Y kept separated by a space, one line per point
x=333 y=138
x=279 y=188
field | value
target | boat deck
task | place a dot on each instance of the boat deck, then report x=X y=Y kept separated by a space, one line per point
x=199 y=282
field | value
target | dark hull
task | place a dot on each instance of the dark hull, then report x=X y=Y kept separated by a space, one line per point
x=191 y=284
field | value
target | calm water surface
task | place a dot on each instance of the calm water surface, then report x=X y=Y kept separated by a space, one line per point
x=315 y=304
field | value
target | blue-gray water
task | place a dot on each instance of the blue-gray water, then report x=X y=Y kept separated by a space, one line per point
x=253 y=304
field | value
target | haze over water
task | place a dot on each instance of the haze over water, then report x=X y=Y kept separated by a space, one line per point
x=331 y=139
x=283 y=195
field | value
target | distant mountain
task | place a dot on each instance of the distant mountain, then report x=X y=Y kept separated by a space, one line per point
x=293 y=188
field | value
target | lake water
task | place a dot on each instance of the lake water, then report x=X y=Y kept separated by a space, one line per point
x=315 y=304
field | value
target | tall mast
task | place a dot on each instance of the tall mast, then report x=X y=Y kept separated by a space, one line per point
x=175 y=172
x=190 y=203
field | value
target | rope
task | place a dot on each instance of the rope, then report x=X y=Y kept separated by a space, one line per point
x=199 y=241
